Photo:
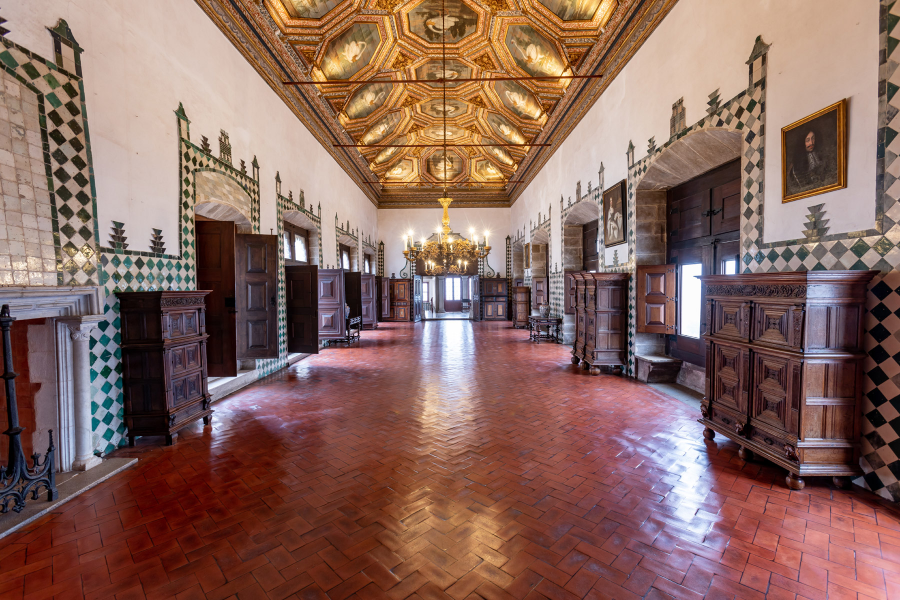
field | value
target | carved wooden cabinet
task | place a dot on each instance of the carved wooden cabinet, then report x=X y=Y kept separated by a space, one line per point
x=164 y=368
x=401 y=300
x=494 y=298
x=600 y=320
x=784 y=356
x=521 y=306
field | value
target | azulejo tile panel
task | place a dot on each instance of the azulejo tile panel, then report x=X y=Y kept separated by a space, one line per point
x=132 y=270
x=64 y=151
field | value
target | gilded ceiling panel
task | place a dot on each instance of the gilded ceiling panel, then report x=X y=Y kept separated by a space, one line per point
x=434 y=64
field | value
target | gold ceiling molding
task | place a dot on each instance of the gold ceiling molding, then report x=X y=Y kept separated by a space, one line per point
x=496 y=5
x=525 y=38
x=388 y=5
x=485 y=62
x=401 y=62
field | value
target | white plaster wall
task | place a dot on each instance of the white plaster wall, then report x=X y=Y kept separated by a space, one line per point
x=822 y=50
x=394 y=223
x=140 y=60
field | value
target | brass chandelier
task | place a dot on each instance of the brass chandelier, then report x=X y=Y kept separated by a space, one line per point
x=446 y=255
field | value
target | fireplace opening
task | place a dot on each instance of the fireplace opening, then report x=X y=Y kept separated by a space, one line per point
x=34 y=360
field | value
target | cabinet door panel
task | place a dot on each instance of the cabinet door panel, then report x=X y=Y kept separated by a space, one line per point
x=778 y=324
x=729 y=319
x=730 y=377
x=776 y=392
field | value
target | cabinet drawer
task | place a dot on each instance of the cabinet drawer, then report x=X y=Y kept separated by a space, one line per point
x=778 y=325
x=187 y=389
x=729 y=419
x=183 y=323
x=730 y=319
x=185 y=358
x=180 y=416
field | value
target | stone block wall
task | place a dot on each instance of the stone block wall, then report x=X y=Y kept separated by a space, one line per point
x=650 y=227
x=539 y=260
x=573 y=251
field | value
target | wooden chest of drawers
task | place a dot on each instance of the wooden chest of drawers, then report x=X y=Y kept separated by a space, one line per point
x=600 y=320
x=495 y=298
x=164 y=368
x=521 y=306
x=784 y=365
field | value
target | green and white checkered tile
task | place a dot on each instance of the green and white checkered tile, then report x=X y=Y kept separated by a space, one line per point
x=66 y=157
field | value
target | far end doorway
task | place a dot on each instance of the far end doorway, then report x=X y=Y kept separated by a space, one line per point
x=448 y=297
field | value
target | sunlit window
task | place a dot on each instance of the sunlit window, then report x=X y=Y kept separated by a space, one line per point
x=452 y=288
x=729 y=267
x=366 y=264
x=345 y=260
x=287 y=245
x=300 y=250
x=689 y=302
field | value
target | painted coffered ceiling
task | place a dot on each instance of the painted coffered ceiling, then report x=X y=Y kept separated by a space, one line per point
x=390 y=135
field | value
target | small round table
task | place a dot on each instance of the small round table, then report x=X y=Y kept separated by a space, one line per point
x=536 y=327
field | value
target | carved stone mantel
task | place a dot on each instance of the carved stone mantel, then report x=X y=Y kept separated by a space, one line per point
x=76 y=310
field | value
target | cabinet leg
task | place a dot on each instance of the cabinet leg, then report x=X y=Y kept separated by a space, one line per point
x=207 y=419
x=595 y=370
x=585 y=366
x=745 y=455
x=841 y=482
x=170 y=439
x=709 y=434
x=131 y=441
x=575 y=360
x=794 y=481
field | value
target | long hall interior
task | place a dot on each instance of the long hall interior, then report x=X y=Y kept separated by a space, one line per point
x=450 y=299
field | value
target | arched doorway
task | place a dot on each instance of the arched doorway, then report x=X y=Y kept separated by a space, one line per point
x=580 y=252
x=305 y=227
x=538 y=269
x=687 y=209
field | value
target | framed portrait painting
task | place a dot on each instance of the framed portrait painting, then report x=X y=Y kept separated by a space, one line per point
x=614 y=215
x=814 y=153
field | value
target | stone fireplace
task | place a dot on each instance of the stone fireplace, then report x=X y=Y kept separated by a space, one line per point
x=55 y=324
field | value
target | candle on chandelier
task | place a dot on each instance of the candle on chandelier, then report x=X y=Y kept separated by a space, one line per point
x=486 y=234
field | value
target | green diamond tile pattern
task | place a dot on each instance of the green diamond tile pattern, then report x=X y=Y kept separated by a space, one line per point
x=64 y=137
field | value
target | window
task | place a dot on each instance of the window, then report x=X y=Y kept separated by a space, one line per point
x=453 y=288
x=689 y=301
x=729 y=266
x=367 y=264
x=345 y=257
x=296 y=244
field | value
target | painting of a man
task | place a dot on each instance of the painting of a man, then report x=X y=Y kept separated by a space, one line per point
x=614 y=215
x=813 y=158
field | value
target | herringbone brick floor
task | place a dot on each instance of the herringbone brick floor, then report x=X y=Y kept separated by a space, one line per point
x=453 y=460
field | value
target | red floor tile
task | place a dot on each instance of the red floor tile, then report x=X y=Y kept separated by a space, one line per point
x=453 y=460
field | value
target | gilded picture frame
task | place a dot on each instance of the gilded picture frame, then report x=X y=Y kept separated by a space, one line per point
x=615 y=215
x=814 y=154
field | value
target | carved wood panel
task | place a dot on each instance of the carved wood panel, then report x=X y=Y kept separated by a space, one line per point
x=730 y=319
x=778 y=324
x=729 y=381
x=777 y=387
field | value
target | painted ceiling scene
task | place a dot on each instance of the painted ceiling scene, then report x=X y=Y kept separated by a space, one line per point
x=498 y=130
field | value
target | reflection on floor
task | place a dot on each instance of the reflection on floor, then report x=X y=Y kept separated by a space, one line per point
x=446 y=316
x=453 y=460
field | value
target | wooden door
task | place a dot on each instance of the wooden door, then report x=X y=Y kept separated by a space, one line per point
x=590 y=251
x=384 y=300
x=570 y=293
x=369 y=296
x=301 y=305
x=656 y=298
x=477 y=300
x=725 y=212
x=539 y=291
x=216 y=272
x=332 y=324
x=416 y=300
x=777 y=389
x=256 y=289
x=353 y=293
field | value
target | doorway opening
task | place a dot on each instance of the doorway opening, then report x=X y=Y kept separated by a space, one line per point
x=581 y=252
x=687 y=225
x=447 y=297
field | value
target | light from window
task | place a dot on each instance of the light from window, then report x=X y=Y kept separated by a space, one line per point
x=729 y=267
x=689 y=302
x=366 y=264
x=300 y=252
x=287 y=245
x=345 y=260
x=453 y=288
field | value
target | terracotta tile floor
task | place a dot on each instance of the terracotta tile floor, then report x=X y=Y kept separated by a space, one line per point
x=454 y=460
